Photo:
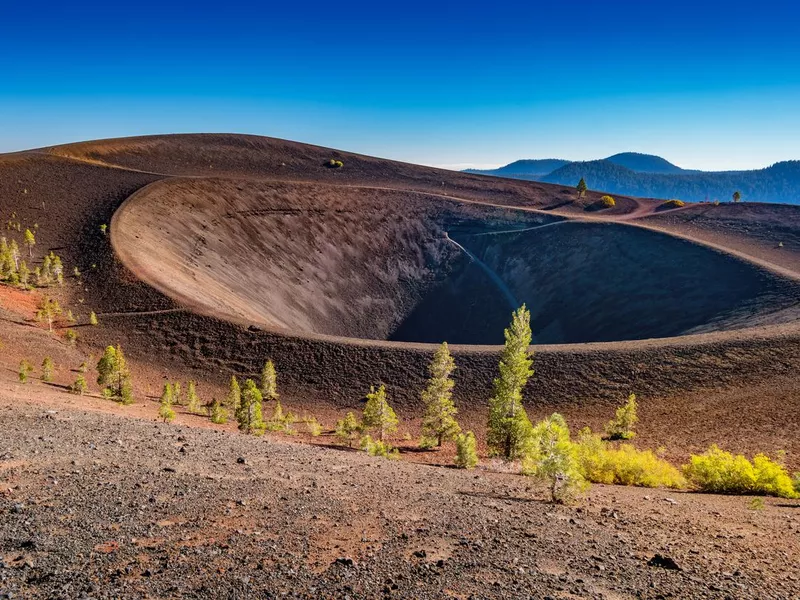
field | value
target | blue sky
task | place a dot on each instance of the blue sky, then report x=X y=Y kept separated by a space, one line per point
x=706 y=84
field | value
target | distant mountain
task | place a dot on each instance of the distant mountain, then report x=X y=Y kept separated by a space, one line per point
x=643 y=163
x=645 y=175
x=541 y=166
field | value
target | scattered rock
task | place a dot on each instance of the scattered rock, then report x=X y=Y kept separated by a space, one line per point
x=345 y=561
x=665 y=562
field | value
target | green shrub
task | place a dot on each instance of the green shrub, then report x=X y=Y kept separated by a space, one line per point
x=721 y=472
x=71 y=336
x=670 y=204
x=334 y=164
x=379 y=448
x=625 y=419
x=796 y=482
x=466 y=456
x=600 y=462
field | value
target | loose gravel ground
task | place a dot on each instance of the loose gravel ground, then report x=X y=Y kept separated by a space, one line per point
x=96 y=505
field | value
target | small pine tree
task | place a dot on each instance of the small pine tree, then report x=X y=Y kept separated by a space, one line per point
x=277 y=422
x=30 y=241
x=24 y=275
x=219 y=415
x=439 y=423
x=83 y=367
x=737 y=196
x=92 y=318
x=378 y=415
x=103 y=228
x=49 y=310
x=347 y=429
x=508 y=422
x=192 y=400
x=113 y=375
x=47 y=369
x=581 y=187
x=71 y=336
x=177 y=393
x=106 y=366
x=79 y=386
x=25 y=369
x=269 y=382
x=621 y=427
x=549 y=454
x=13 y=249
x=249 y=414
x=165 y=411
x=466 y=455
x=313 y=427
x=234 y=397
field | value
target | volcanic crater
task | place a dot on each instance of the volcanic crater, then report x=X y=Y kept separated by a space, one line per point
x=374 y=263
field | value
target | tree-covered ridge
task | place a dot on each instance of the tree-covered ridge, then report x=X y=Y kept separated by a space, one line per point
x=777 y=183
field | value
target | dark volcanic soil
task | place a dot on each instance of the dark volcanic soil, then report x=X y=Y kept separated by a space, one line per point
x=100 y=506
x=96 y=500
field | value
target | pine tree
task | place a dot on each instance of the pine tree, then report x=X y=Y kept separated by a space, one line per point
x=114 y=376
x=106 y=366
x=92 y=318
x=466 y=455
x=234 y=397
x=378 y=415
x=25 y=369
x=549 y=454
x=737 y=195
x=508 y=422
x=192 y=400
x=581 y=187
x=24 y=275
x=177 y=397
x=249 y=414
x=439 y=423
x=13 y=250
x=269 y=383
x=165 y=405
x=79 y=386
x=278 y=421
x=218 y=415
x=30 y=241
x=621 y=427
x=346 y=429
x=47 y=369
x=49 y=310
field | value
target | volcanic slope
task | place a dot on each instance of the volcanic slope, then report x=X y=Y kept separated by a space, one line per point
x=230 y=249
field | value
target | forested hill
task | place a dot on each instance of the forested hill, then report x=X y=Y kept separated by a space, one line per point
x=538 y=167
x=653 y=177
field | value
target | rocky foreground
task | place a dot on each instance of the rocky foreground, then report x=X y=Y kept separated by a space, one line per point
x=100 y=506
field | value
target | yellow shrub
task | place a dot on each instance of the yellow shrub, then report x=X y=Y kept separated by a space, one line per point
x=721 y=472
x=600 y=462
x=607 y=202
x=672 y=204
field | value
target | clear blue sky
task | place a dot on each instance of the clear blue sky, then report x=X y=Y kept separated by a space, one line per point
x=706 y=84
